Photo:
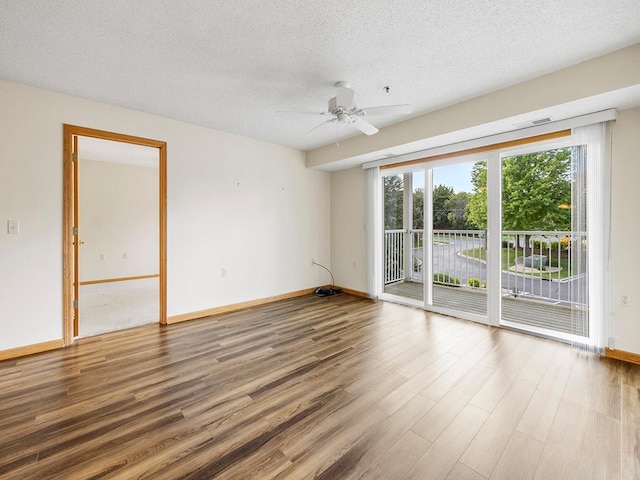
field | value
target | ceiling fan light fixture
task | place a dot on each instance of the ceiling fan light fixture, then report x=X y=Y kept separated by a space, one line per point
x=344 y=117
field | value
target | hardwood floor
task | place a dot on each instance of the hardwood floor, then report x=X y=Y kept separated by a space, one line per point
x=330 y=388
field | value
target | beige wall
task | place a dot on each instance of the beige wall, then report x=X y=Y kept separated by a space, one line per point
x=118 y=219
x=349 y=213
x=248 y=206
x=348 y=222
x=625 y=229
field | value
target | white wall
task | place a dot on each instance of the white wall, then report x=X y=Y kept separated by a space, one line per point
x=349 y=213
x=233 y=202
x=118 y=216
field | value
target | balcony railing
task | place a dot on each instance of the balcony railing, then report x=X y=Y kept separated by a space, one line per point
x=395 y=260
x=394 y=255
x=545 y=265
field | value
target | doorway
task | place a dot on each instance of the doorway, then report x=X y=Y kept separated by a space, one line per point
x=109 y=274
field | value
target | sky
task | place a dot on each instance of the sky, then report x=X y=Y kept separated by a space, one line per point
x=456 y=176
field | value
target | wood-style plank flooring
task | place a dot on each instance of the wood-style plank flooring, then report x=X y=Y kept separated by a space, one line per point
x=330 y=388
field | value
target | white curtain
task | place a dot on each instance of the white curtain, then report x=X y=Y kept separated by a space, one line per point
x=591 y=214
x=373 y=203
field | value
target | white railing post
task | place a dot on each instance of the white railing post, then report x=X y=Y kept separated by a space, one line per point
x=407 y=224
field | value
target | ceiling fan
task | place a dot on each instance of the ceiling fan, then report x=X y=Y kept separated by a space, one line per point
x=342 y=109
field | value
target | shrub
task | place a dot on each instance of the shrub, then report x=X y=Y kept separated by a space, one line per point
x=445 y=278
x=561 y=245
x=540 y=245
x=474 y=282
x=484 y=284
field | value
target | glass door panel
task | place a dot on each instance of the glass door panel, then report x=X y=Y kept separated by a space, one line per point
x=458 y=250
x=403 y=236
x=543 y=242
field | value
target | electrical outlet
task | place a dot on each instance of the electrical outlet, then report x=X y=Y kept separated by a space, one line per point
x=625 y=300
x=355 y=264
x=224 y=272
x=13 y=227
x=124 y=255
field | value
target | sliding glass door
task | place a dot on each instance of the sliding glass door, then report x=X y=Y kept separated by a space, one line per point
x=507 y=237
x=434 y=250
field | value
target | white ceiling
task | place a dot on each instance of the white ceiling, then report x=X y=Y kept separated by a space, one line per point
x=230 y=65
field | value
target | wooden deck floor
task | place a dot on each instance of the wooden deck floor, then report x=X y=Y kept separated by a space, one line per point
x=329 y=388
x=518 y=310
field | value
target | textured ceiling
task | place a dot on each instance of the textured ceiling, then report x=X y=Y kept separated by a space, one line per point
x=230 y=65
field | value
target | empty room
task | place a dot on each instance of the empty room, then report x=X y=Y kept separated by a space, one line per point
x=333 y=240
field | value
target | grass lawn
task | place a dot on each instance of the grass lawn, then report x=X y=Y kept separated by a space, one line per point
x=509 y=260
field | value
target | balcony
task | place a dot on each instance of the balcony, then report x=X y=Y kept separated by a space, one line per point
x=543 y=274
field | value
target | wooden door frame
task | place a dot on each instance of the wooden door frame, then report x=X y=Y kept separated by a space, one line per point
x=68 y=277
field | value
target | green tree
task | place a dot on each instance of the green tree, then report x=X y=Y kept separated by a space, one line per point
x=393 y=202
x=536 y=190
x=441 y=194
x=458 y=207
x=418 y=209
x=478 y=201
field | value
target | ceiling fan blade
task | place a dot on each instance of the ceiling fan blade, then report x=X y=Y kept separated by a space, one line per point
x=388 y=110
x=293 y=112
x=328 y=121
x=344 y=97
x=365 y=127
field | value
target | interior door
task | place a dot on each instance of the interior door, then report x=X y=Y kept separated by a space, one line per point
x=76 y=238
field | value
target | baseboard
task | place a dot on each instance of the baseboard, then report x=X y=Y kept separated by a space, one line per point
x=355 y=293
x=31 y=349
x=622 y=355
x=183 y=317
x=119 y=279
